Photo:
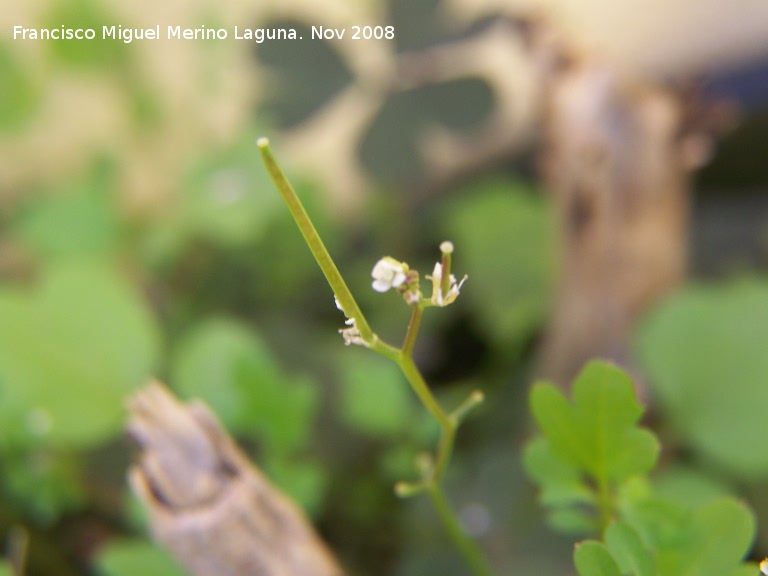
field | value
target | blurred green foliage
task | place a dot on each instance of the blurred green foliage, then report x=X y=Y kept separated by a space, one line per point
x=103 y=301
x=373 y=399
x=590 y=448
x=215 y=291
x=212 y=292
x=131 y=557
x=19 y=96
x=225 y=201
x=506 y=237
x=84 y=328
x=86 y=14
x=703 y=351
x=225 y=364
x=592 y=461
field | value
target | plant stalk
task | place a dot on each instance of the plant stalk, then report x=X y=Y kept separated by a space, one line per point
x=466 y=546
x=403 y=357
x=313 y=240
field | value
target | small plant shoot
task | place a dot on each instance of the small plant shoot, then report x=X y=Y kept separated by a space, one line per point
x=592 y=463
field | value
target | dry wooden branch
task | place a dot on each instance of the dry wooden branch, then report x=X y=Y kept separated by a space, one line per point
x=618 y=160
x=208 y=504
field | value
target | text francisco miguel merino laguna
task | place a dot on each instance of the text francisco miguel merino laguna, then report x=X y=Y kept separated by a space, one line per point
x=128 y=35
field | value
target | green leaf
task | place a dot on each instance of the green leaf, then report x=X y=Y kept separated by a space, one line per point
x=132 y=557
x=206 y=364
x=375 y=398
x=592 y=558
x=227 y=365
x=505 y=242
x=560 y=482
x=708 y=541
x=76 y=222
x=597 y=433
x=72 y=348
x=704 y=353
x=660 y=522
x=5 y=569
x=572 y=521
x=723 y=532
x=688 y=486
x=629 y=551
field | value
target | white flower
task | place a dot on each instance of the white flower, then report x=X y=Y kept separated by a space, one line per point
x=764 y=566
x=349 y=321
x=438 y=298
x=388 y=273
x=351 y=335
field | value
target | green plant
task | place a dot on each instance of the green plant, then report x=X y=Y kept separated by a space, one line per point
x=592 y=462
x=389 y=273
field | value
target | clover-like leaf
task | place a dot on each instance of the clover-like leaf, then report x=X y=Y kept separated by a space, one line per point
x=561 y=482
x=592 y=558
x=722 y=533
x=704 y=353
x=629 y=550
x=597 y=433
x=710 y=540
x=228 y=365
x=72 y=348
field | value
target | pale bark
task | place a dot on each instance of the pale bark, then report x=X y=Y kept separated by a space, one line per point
x=617 y=159
x=207 y=504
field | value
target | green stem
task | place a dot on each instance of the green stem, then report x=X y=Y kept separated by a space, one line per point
x=605 y=503
x=403 y=357
x=466 y=546
x=319 y=251
x=413 y=330
x=449 y=424
x=419 y=385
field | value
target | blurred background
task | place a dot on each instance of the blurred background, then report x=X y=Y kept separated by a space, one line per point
x=555 y=142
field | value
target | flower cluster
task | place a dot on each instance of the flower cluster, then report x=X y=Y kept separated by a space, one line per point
x=351 y=334
x=390 y=273
x=441 y=297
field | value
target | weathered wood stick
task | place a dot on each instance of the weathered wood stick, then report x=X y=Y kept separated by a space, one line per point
x=208 y=505
x=618 y=158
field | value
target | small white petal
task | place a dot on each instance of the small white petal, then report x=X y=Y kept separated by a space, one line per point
x=388 y=273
